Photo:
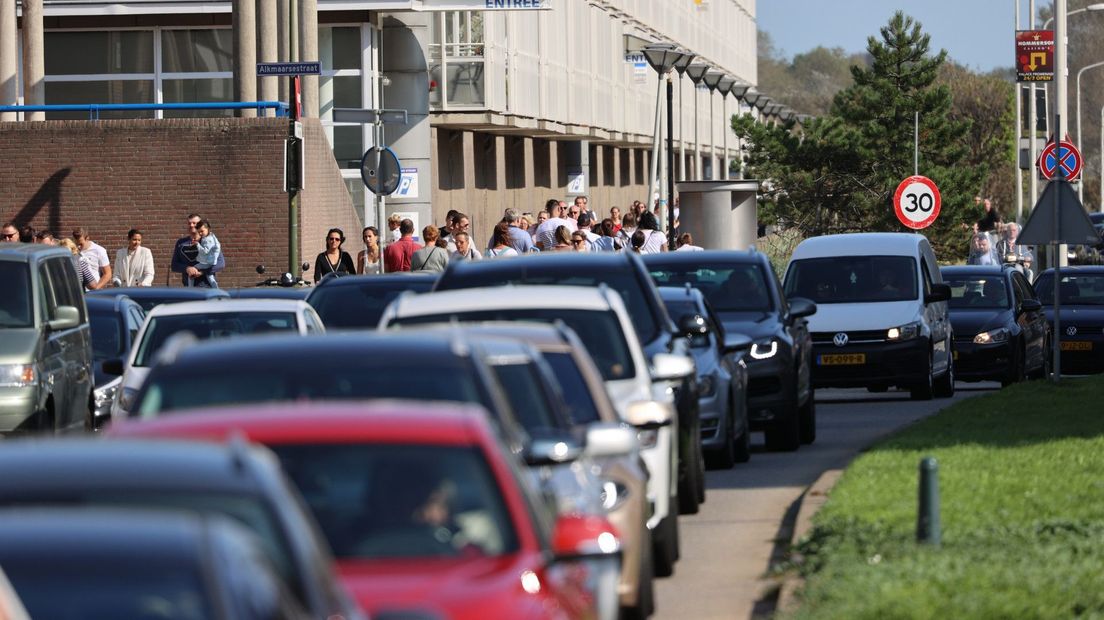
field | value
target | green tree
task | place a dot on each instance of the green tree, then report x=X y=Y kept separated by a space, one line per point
x=840 y=172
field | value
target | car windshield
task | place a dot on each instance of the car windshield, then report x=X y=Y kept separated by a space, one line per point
x=985 y=292
x=853 y=279
x=1076 y=289
x=356 y=307
x=599 y=330
x=149 y=587
x=107 y=340
x=580 y=404
x=624 y=282
x=15 y=303
x=729 y=288
x=281 y=381
x=210 y=326
x=402 y=501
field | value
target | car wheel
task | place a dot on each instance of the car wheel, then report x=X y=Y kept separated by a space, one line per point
x=926 y=389
x=807 y=423
x=1016 y=372
x=945 y=385
x=725 y=456
x=784 y=434
x=743 y=443
x=645 y=591
x=688 y=490
x=665 y=545
x=1043 y=371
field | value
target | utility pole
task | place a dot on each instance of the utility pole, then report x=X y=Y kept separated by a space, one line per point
x=1032 y=123
x=1019 y=120
x=1061 y=103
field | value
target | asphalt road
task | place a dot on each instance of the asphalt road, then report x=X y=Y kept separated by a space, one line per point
x=727 y=548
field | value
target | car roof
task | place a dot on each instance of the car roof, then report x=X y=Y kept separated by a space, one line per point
x=108 y=304
x=27 y=252
x=680 y=293
x=859 y=244
x=699 y=259
x=284 y=349
x=269 y=292
x=974 y=269
x=545 y=261
x=63 y=467
x=508 y=297
x=162 y=292
x=223 y=306
x=540 y=335
x=385 y=280
x=381 y=421
x=1075 y=269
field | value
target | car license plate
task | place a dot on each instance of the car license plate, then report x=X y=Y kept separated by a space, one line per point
x=842 y=359
x=955 y=356
x=1076 y=345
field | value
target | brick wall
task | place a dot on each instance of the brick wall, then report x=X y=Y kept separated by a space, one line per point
x=110 y=176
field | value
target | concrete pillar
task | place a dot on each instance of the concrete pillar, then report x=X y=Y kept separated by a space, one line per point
x=34 y=89
x=9 y=58
x=268 y=87
x=405 y=37
x=283 y=44
x=245 y=54
x=308 y=51
x=578 y=161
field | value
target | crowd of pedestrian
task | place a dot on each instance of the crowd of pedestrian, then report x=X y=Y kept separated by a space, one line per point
x=995 y=242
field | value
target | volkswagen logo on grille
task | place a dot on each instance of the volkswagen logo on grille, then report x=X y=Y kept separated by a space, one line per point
x=1071 y=331
x=840 y=339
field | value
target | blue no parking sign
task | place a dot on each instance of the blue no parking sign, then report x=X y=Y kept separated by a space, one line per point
x=1063 y=155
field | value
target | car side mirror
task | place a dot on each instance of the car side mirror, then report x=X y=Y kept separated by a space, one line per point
x=667 y=366
x=113 y=367
x=693 y=325
x=584 y=537
x=736 y=343
x=648 y=415
x=939 y=292
x=68 y=317
x=801 y=307
x=1031 y=305
x=610 y=440
x=551 y=448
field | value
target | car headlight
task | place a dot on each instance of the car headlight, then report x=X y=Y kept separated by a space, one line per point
x=18 y=375
x=102 y=397
x=126 y=399
x=613 y=494
x=706 y=385
x=764 y=350
x=904 y=332
x=992 y=336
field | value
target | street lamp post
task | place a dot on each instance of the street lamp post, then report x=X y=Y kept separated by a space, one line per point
x=696 y=71
x=739 y=90
x=1081 y=185
x=680 y=67
x=712 y=79
x=663 y=57
x=725 y=87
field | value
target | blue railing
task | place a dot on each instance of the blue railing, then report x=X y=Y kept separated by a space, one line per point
x=94 y=109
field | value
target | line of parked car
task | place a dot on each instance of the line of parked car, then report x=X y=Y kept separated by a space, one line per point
x=513 y=438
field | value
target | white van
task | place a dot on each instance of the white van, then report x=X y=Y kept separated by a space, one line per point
x=881 y=315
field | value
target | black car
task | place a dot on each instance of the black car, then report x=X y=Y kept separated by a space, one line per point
x=232 y=480
x=357 y=302
x=745 y=292
x=722 y=378
x=625 y=273
x=1000 y=332
x=115 y=321
x=150 y=296
x=113 y=563
x=1081 y=329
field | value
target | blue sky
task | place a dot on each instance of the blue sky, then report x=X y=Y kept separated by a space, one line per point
x=976 y=33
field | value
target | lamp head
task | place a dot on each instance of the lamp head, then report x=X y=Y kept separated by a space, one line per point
x=725 y=85
x=697 y=71
x=750 y=96
x=712 y=79
x=662 y=56
x=684 y=61
x=762 y=102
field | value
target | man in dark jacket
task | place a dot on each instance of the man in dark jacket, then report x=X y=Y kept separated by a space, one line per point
x=185 y=252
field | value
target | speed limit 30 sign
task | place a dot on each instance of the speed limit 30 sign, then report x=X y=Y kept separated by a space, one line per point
x=917 y=202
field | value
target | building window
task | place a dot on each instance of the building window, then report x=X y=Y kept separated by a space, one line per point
x=457 y=64
x=98 y=53
x=197 y=51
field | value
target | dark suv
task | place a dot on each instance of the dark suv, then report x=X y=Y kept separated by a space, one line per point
x=747 y=297
x=623 y=272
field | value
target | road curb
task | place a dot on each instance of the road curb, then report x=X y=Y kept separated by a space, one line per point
x=811 y=501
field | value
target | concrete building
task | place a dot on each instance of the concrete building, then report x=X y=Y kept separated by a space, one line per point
x=509 y=101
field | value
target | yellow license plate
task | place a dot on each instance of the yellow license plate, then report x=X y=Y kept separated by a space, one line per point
x=1075 y=345
x=843 y=359
x=955 y=355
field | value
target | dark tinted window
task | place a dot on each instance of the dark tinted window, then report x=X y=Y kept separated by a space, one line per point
x=106 y=336
x=623 y=281
x=730 y=288
x=580 y=405
x=354 y=307
x=402 y=501
x=600 y=331
x=214 y=325
x=1077 y=289
x=66 y=284
x=123 y=588
x=988 y=291
x=167 y=390
x=851 y=279
x=15 y=303
x=528 y=395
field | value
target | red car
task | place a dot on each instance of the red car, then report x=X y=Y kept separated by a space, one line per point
x=423 y=507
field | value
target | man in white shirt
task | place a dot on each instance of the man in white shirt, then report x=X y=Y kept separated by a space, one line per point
x=546 y=232
x=95 y=255
x=585 y=224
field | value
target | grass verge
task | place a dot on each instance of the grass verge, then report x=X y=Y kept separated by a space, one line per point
x=1022 y=491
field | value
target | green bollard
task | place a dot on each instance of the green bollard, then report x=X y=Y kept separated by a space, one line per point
x=928 y=527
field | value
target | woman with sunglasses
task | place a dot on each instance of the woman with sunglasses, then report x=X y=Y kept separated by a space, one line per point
x=334 y=261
